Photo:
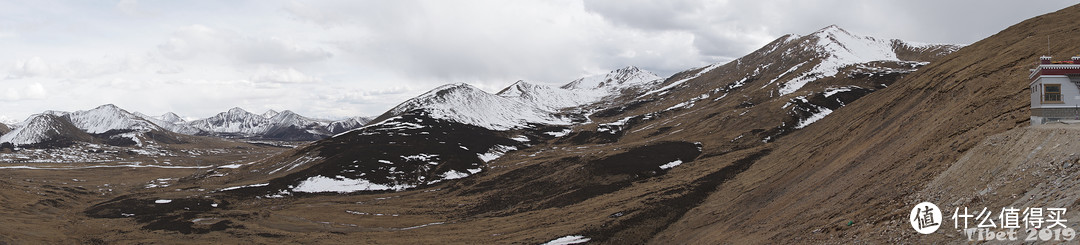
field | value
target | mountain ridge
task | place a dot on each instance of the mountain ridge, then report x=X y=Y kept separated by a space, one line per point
x=109 y=119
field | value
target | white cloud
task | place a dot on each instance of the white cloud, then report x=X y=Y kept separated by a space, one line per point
x=35 y=91
x=129 y=7
x=287 y=75
x=29 y=68
x=493 y=41
x=196 y=41
x=32 y=91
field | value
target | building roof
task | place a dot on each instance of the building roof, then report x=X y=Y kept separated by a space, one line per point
x=1048 y=67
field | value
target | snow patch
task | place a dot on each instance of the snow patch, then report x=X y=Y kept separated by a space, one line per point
x=244 y=186
x=343 y=185
x=559 y=133
x=814 y=118
x=496 y=152
x=453 y=174
x=829 y=92
x=520 y=138
x=566 y=240
x=671 y=164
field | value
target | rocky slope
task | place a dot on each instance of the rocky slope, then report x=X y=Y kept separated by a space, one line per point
x=865 y=162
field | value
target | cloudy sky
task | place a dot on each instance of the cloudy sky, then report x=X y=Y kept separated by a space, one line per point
x=335 y=59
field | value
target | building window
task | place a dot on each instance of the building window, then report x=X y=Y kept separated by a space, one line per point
x=1052 y=93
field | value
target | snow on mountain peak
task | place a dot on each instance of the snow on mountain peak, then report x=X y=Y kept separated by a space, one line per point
x=466 y=104
x=40 y=128
x=519 y=88
x=521 y=103
x=617 y=79
x=238 y=111
x=108 y=117
x=236 y=120
x=838 y=48
x=108 y=107
x=170 y=117
x=337 y=127
x=270 y=113
x=831 y=29
x=551 y=99
x=288 y=117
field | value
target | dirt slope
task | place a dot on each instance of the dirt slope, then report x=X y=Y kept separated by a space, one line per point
x=863 y=162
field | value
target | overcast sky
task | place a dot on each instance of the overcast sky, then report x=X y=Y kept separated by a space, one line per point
x=335 y=59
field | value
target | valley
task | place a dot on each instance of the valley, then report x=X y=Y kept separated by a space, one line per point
x=824 y=137
x=45 y=190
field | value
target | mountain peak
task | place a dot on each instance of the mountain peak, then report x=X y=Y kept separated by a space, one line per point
x=516 y=89
x=108 y=117
x=171 y=117
x=286 y=113
x=831 y=28
x=270 y=113
x=237 y=110
x=107 y=107
x=628 y=69
x=616 y=79
x=41 y=128
x=448 y=89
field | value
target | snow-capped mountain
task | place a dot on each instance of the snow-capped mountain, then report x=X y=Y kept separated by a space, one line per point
x=466 y=104
x=792 y=82
x=236 y=121
x=838 y=48
x=337 y=127
x=170 y=118
x=288 y=125
x=172 y=122
x=106 y=124
x=549 y=98
x=288 y=117
x=270 y=113
x=522 y=103
x=45 y=129
x=273 y=125
x=112 y=125
x=614 y=80
x=109 y=117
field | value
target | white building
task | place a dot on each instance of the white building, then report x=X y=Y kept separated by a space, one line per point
x=1055 y=90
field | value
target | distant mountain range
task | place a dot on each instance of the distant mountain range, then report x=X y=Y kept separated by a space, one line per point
x=111 y=124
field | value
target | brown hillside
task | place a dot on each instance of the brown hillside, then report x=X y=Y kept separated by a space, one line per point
x=861 y=163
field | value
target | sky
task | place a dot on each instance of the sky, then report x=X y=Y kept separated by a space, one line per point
x=338 y=59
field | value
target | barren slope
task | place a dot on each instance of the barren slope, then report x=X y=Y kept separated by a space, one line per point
x=862 y=163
